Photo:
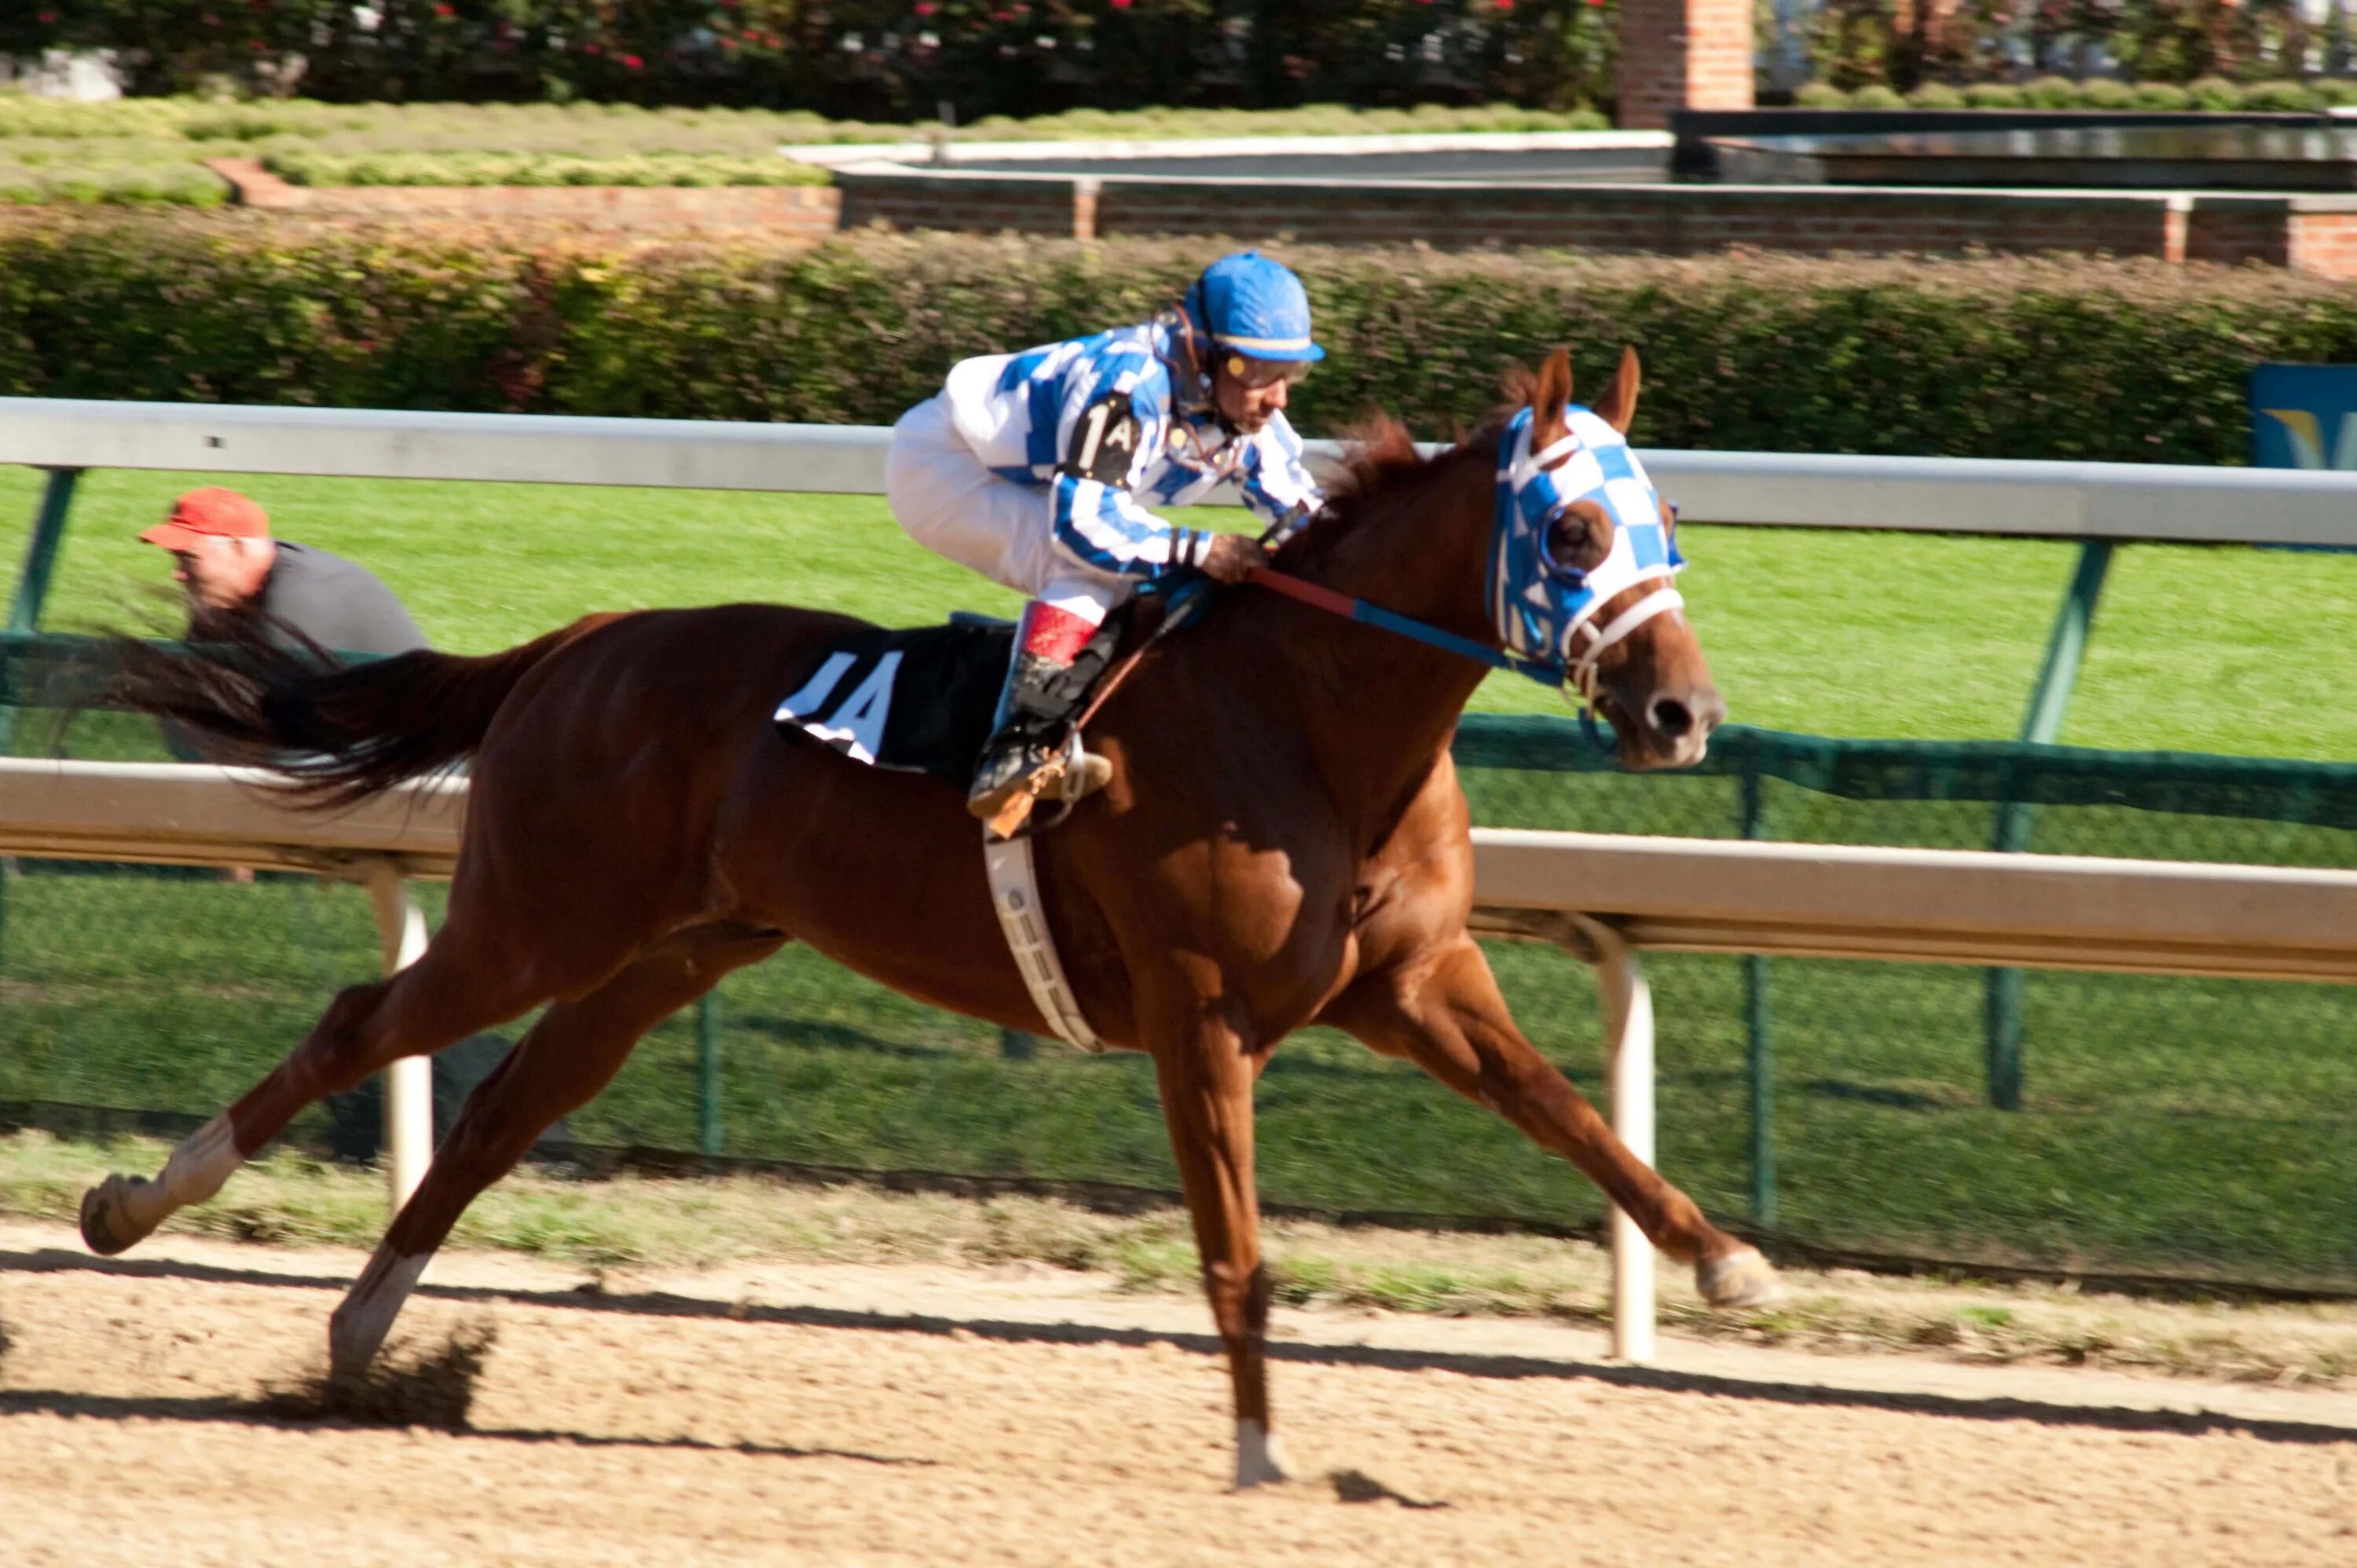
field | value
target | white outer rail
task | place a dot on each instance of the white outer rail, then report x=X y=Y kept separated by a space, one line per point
x=1939 y=494
x=1601 y=895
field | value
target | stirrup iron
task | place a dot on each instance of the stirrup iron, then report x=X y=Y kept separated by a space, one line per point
x=1067 y=777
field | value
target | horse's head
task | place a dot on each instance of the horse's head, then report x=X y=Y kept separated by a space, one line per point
x=1583 y=557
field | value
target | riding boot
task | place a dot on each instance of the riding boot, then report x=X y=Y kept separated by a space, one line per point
x=1049 y=675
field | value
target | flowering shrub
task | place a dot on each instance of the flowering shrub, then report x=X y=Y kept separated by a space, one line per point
x=1904 y=45
x=859 y=57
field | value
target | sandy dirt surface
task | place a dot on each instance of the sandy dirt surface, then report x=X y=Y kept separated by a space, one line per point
x=929 y=1415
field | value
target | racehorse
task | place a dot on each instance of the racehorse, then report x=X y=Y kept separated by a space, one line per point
x=1282 y=843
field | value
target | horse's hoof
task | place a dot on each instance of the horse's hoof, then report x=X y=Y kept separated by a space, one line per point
x=1260 y=1457
x=1742 y=1278
x=107 y=1226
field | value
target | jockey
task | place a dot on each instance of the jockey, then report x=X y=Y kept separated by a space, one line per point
x=1037 y=469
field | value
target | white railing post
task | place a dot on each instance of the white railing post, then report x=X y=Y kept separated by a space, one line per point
x=408 y=1082
x=1628 y=1007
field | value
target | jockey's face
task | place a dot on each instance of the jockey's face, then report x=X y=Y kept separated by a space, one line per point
x=1248 y=391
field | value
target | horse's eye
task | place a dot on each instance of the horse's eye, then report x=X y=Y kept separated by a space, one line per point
x=1578 y=538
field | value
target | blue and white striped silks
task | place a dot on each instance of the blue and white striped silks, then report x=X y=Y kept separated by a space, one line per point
x=1025 y=413
x=1547 y=611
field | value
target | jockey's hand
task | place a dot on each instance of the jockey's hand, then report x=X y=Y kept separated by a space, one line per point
x=1232 y=557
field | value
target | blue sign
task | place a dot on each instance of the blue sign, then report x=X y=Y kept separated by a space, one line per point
x=2304 y=416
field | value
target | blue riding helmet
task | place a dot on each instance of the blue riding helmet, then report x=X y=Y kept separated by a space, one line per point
x=1249 y=305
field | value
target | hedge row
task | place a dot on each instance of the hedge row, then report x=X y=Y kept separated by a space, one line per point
x=301 y=167
x=2213 y=94
x=1988 y=358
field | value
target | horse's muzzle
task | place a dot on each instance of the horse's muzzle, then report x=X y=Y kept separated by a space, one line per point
x=1674 y=729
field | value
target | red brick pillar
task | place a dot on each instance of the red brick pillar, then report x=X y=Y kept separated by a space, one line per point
x=1683 y=54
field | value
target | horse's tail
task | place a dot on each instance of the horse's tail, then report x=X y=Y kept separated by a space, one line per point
x=250 y=690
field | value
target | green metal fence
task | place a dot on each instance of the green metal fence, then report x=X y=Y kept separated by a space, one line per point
x=2175 y=1127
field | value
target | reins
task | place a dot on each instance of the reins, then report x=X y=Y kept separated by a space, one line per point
x=1369 y=614
x=1373 y=615
x=1366 y=614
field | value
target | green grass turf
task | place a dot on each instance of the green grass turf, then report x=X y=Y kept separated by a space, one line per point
x=2171 y=1125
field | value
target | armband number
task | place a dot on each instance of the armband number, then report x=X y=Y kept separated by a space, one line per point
x=1104 y=442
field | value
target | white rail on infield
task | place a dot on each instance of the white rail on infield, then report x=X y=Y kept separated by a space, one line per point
x=1603 y=897
x=1939 y=494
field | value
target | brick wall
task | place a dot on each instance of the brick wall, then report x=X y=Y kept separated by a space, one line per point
x=2232 y=232
x=1682 y=54
x=808 y=209
x=2323 y=238
x=2313 y=234
x=1028 y=204
x=1663 y=219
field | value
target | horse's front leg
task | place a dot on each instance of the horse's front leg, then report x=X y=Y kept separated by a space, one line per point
x=1443 y=1011
x=1205 y=1062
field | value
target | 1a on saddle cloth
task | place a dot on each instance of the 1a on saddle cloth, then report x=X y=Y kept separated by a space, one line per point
x=1037 y=469
x=1282 y=842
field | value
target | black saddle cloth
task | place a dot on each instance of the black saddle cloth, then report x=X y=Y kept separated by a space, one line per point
x=919 y=700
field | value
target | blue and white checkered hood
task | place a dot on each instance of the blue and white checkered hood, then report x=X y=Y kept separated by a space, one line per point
x=1539 y=606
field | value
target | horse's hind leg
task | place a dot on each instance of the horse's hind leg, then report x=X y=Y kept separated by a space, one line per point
x=456 y=989
x=570 y=1055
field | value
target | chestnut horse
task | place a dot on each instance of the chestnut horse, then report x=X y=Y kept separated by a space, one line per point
x=1282 y=843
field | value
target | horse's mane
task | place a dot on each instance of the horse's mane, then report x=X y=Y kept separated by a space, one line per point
x=1380 y=465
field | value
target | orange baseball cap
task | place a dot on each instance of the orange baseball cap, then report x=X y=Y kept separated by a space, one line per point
x=211 y=513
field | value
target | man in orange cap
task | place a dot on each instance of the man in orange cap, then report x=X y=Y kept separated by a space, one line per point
x=224 y=555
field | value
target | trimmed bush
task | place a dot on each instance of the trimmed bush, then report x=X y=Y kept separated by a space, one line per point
x=2051 y=92
x=2165 y=96
x=300 y=167
x=1936 y=95
x=1982 y=358
x=2281 y=97
x=2104 y=93
x=2214 y=93
x=1993 y=95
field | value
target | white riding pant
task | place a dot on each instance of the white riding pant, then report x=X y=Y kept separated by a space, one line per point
x=946 y=500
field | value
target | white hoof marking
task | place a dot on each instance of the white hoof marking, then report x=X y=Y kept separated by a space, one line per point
x=1742 y=1278
x=1259 y=1456
x=125 y=1210
x=355 y=1333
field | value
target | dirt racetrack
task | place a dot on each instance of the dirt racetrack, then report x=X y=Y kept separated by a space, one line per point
x=925 y=1416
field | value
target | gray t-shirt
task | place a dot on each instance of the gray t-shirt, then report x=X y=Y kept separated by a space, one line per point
x=337 y=604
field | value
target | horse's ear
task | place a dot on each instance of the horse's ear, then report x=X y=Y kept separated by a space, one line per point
x=1616 y=405
x=1548 y=396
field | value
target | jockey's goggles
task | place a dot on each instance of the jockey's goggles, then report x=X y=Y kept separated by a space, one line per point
x=1254 y=373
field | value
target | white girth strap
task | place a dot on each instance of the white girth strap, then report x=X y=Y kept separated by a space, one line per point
x=1015 y=894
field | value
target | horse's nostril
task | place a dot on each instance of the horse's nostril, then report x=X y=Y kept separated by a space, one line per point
x=1671 y=717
